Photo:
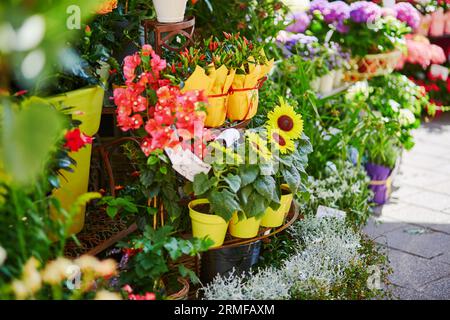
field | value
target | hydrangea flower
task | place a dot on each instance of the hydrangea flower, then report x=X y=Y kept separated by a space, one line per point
x=408 y=14
x=364 y=11
x=301 y=22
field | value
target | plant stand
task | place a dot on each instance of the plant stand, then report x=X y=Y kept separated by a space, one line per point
x=164 y=33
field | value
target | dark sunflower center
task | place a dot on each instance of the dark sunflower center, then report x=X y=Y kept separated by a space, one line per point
x=279 y=139
x=285 y=123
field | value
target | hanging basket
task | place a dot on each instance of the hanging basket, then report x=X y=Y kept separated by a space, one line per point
x=372 y=65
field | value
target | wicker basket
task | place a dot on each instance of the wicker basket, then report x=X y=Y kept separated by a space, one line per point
x=372 y=65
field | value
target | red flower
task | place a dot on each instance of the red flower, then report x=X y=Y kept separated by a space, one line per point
x=75 y=140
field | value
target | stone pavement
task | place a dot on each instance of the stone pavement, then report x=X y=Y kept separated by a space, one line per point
x=415 y=225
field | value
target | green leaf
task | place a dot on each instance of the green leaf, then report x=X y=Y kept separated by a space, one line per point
x=173 y=248
x=163 y=170
x=292 y=178
x=256 y=205
x=152 y=211
x=233 y=181
x=152 y=160
x=248 y=174
x=112 y=211
x=201 y=184
x=223 y=203
x=265 y=185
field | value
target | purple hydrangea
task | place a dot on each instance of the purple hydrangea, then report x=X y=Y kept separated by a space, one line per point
x=337 y=11
x=408 y=14
x=301 y=22
x=320 y=5
x=363 y=11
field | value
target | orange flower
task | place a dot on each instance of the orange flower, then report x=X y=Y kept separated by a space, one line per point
x=107 y=7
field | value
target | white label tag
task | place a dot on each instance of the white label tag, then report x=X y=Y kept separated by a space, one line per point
x=230 y=136
x=186 y=163
x=439 y=71
x=323 y=211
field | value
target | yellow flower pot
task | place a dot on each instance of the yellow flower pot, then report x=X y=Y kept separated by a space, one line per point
x=216 y=111
x=87 y=107
x=242 y=105
x=246 y=228
x=275 y=218
x=207 y=225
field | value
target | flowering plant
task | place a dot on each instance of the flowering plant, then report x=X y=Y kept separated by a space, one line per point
x=363 y=26
x=322 y=57
x=52 y=280
x=167 y=116
x=146 y=257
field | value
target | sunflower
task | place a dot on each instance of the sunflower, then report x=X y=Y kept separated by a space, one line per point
x=281 y=141
x=259 y=145
x=227 y=154
x=285 y=119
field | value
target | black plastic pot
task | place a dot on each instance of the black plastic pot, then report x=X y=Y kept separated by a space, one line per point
x=223 y=261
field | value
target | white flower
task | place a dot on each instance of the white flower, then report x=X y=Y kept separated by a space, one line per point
x=31 y=276
x=56 y=271
x=406 y=117
x=3 y=255
x=107 y=295
x=20 y=289
x=394 y=105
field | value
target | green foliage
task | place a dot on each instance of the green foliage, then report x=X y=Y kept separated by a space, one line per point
x=257 y=20
x=154 y=249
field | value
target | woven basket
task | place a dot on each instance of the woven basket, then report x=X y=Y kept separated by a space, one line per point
x=372 y=65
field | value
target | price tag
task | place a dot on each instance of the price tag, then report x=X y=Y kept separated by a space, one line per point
x=439 y=71
x=186 y=163
x=323 y=212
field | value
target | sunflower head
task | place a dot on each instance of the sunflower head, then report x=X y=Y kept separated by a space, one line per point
x=280 y=141
x=258 y=145
x=286 y=120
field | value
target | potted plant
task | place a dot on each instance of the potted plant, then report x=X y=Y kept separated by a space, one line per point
x=145 y=263
x=240 y=186
x=170 y=11
x=293 y=147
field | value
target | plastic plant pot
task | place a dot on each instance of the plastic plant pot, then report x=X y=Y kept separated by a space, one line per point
x=224 y=260
x=275 y=218
x=170 y=11
x=245 y=228
x=207 y=225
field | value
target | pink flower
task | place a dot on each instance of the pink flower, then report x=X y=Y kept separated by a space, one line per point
x=147 y=50
x=157 y=63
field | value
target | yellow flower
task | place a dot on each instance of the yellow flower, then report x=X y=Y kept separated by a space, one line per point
x=87 y=263
x=106 y=295
x=56 y=271
x=31 y=276
x=106 y=268
x=285 y=119
x=227 y=154
x=281 y=141
x=259 y=145
x=20 y=289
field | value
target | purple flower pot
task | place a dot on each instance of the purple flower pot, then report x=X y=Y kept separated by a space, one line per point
x=381 y=190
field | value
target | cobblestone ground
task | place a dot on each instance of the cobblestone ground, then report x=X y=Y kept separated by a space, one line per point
x=415 y=224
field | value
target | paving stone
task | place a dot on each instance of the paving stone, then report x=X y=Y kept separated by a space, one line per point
x=402 y=191
x=418 y=178
x=439 y=289
x=428 y=149
x=443 y=187
x=411 y=214
x=428 y=199
x=409 y=294
x=428 y=161
x=415 y=272
x=409 y=239
x=444 y=258
x=376 y=227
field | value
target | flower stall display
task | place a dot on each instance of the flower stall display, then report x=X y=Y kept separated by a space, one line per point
x=373 y=34
x=249 y=178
